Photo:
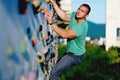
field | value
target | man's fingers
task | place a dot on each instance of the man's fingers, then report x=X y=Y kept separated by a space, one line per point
x=48 y=16
x=46 y=10
x=51 y=0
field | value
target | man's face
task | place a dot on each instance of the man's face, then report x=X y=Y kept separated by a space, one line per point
x=82 y=12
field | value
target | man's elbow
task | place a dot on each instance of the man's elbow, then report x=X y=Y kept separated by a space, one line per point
x=66 y=18
x=67 y=36
x=64 y=36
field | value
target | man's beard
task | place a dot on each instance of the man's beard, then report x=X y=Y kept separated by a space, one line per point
x=76 y=18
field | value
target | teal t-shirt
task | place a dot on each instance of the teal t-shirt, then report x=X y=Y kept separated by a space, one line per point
x=77 y=45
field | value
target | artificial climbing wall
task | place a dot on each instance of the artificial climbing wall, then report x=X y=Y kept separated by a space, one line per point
x=28 y=46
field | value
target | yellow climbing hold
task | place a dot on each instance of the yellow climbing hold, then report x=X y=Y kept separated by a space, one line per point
x=47 y=1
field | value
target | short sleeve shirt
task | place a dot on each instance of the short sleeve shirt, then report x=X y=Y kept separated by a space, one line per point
x=77 y=45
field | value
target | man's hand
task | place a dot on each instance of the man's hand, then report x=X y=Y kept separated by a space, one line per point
x=52 y=1
x=48 y=16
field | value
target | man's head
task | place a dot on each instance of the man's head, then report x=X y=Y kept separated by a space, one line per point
x=83 y=11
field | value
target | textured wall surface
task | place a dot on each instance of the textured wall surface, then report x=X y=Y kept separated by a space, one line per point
x=28 y=46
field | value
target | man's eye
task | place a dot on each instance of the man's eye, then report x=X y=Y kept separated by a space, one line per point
x=82 y=11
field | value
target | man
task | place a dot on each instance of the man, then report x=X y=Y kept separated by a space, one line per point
x=76 y=35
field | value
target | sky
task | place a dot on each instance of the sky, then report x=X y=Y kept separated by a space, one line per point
x=98 y=9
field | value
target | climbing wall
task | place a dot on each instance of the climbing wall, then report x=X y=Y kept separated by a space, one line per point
x=28 y=46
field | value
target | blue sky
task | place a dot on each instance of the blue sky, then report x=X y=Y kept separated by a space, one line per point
x=98 y=9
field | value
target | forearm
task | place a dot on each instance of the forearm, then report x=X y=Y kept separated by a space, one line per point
x=61 y=32
x=59 y=12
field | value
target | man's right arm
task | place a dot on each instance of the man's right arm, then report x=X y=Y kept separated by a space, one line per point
x=60 y=13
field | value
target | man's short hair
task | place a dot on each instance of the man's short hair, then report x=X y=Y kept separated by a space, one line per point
x=86 y=5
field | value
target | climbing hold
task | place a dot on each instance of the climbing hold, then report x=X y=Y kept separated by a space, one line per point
x=46 y=73
x=52 y=55
x=40 y=28
x=29 y=32
x=22 y=46
x=32 y=75
x=43 y=11
x=11 y=54
x=22 y=6
x=43 y=36
x=34 y=41
x=37 y=3
x=36 y=6
x=9 y=49
x=40 y=57
x=23 y=49
x=27 y=0
x=23 y=77
x=47 y=1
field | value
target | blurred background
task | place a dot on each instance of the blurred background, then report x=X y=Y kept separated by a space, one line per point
x=102 y=59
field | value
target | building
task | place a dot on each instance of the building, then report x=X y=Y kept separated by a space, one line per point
x=112 y=23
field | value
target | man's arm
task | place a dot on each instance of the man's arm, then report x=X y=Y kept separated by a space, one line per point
x=60 y=13
x=64 y=33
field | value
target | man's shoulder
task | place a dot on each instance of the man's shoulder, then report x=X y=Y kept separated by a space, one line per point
x=73 y=14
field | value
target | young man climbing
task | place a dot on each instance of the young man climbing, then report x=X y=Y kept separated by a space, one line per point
x=75 y=35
